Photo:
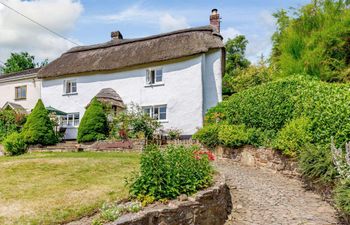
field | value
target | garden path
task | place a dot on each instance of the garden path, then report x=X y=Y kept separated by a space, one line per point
x=261 y=197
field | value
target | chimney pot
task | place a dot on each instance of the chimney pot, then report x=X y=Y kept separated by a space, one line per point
x=116 y=35
x=215 y=20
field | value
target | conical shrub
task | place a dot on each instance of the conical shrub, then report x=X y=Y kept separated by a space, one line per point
x=94 y=124
x=39 y=128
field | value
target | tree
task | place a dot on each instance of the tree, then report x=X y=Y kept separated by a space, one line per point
x=21 y=61
x=39 y=128
x=235 y=60
x=94 y=125
x=314 y=41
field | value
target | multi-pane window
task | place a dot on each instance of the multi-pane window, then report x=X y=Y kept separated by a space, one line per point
x=20 y=92
x=70 y=86
x=158 y=112
x=154 y=76
x=70 y=120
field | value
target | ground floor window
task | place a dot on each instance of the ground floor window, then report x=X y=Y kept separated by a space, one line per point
x=69 y=120
x=158 y=112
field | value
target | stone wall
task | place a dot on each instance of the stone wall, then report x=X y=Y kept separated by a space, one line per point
x=211 y=206
x=262 y=158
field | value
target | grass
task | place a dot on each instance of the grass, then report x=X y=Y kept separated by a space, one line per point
x=52 y=188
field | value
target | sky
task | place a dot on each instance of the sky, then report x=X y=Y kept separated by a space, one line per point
x=88 y=22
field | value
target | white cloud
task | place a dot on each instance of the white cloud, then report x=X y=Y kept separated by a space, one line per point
x=230 y=32
x=19 y=34
x=137 y=13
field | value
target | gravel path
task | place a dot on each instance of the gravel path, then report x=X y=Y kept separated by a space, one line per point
x=262 y=197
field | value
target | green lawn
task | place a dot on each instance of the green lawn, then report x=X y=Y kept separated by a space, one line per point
x=51 y=188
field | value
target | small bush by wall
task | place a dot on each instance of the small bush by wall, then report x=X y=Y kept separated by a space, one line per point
x=14 y=144
x=342 y=197
x=165 y=174
x=208 y=135
x=93 y=125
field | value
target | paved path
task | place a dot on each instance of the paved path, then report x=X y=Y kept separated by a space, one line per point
x=262 y=197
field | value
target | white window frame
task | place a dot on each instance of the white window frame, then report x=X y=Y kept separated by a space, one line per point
x=150 y=81
x=74 y=123
x=70 y=92
x=152 y=109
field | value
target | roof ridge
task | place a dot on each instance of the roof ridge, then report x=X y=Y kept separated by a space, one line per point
x=118 y=42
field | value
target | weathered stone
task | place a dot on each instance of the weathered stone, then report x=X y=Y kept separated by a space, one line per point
x=182 y=198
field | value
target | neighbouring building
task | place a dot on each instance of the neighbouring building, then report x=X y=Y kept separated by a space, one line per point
x=20 y=91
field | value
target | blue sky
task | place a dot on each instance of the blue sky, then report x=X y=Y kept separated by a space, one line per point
x=91 y=21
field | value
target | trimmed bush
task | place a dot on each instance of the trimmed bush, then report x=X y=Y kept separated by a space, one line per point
x=342 y=196
x=39 y=128
x=234 y=135
x=294 y=137
x=165 y=174
x=208 y=135
x=10 y=122
x=94 y=124
x=14 y=144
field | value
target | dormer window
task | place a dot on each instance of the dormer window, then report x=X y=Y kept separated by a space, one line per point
x=154 y=76
x=70 y=87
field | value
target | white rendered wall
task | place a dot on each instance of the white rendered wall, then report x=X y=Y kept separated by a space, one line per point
x=182 y=92
x=212 y=80
x=7 y=92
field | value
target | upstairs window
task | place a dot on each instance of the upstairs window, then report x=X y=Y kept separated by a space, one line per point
x=70 y=87
x=158 y=112
x=21 y=92
x=154 y=76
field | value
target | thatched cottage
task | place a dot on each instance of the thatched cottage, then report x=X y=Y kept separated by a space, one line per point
x=175 y=77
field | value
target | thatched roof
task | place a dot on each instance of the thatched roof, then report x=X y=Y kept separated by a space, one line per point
x=110 y=96
x=122 y=53
x=20 y=74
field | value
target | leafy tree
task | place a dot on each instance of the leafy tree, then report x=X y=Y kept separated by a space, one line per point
x=314 y=40
x=39 y=128
x=235 y=60
x=21 y=61
x=94 y=125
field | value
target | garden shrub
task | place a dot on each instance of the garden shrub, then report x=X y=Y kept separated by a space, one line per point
x=38 y=128
x=294 y=137
x=93 y=125
x=10 y=122
x=208 y=135
x=316 y=165
x=14 y=144
x=342 y=196
x=234 y=135
x=165 y=174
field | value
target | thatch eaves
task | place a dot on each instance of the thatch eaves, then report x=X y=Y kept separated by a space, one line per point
x=122 y=53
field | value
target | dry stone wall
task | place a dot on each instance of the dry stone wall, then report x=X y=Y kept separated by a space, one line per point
x=211 y=206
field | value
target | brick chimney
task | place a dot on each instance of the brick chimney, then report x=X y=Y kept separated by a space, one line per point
x=116 y=35
x=215 y=20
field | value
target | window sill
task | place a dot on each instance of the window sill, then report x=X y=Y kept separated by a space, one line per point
x=20 y=99
x=68 y=94
x=163 y=121
x=154 y=85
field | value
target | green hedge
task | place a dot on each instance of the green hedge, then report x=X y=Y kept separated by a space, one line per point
x=14 y=144
x=270 y=107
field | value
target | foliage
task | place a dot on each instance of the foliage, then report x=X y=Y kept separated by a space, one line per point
x=208 y=135
x=342 y=196
x=235 y=60
x=10 y=122
x=174 y=134
x=133 y=123
x=316 y=165
x=110 y=211
x=93 y=125
x=165 y=174
x=294 y=137
x=250 y=76
x=21 y=61
x=234 y=135
x=38 y=128
x=341 y=161
x=14 y=144
x=314 y=41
